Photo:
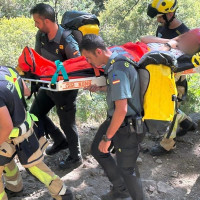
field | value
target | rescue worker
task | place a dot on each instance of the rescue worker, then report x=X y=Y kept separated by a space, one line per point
x=170 y=28
x=54 y=43
x=18 y=137
x=124 y=106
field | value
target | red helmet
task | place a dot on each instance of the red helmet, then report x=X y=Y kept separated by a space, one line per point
x=196 y=33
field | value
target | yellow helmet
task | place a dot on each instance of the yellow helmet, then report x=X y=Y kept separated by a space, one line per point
x=161 y=7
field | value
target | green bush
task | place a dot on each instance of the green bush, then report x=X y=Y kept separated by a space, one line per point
x=192 y=103
x=15 y=34
x=91 y=106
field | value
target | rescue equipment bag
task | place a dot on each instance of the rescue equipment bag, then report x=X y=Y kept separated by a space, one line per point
x=158 y=89
x=79 y=23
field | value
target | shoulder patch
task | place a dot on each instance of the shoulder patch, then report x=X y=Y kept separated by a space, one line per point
x=115 y=82
x=126 y=64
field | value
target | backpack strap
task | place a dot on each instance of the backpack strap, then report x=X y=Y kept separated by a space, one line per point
x=78 y=36
x=65 y=34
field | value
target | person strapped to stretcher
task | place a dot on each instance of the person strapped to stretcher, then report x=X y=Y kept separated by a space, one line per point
x=18 y=137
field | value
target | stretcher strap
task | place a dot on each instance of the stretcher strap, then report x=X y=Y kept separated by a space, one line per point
x=60 y=68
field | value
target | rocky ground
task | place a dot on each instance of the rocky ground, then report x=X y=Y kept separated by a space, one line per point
x=175 y=176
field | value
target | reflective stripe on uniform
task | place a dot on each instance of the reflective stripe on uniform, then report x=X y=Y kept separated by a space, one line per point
x=23 y=128
x=14 y=183
x=34 y=118
x=10 y=173
x=14 y=79
x=14 y=133
x=42 y=176
x=2 y=195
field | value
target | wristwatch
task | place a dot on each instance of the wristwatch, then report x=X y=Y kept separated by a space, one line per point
x=106 y=139
x=168 y=45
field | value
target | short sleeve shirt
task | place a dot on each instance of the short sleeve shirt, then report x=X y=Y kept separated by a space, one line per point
x=165 y=32
x=10 y=98
x=122 y=83
x=53 y=49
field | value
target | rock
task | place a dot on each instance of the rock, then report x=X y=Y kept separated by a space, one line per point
x=164 y=188
x=95 y=198
x=151 y=188
x=159 y=161
x=139 y=160
x=150 y=185
x=174 y=174
x=78 y=196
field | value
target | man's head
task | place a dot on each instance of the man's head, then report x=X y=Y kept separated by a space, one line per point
x=189 y=42
x=94 y=49
x=164 y=10
x=163 y=19
x=44 y=16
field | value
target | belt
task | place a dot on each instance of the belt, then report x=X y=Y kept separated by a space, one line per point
x=127 y=121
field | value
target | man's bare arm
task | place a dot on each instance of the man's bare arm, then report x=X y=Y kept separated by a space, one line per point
x=27 y=91
x=6 y=124
x=153 y=39
x=95 y=88
x=118 y=117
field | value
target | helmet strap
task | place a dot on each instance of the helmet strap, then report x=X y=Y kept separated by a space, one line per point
x=168 y=22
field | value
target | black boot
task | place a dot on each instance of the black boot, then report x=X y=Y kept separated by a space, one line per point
x=117 y=194
x=185 y=126
x=70 y=163
x=158 y=150
x=55 y=148
x=60 y=142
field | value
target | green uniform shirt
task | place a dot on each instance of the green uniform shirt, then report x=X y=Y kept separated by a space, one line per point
x=122 y=83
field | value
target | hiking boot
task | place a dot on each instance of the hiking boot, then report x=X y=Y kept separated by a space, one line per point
x=67 y=196
x=158 y=150
x=11 y=194
x=183 y=130
x=55 y=148
x=70 y=163
x=116 y=194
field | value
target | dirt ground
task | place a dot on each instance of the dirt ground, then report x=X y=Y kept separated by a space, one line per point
x=175 y=176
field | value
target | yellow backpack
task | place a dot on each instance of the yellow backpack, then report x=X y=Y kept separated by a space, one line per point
x=158 y=90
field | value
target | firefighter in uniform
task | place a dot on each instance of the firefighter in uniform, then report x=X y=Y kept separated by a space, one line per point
x=170 y=28
x=18 y=138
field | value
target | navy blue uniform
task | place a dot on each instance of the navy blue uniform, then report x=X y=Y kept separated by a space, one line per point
x=60 y=48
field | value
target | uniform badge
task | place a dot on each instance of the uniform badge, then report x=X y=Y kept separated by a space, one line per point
x=61 y=47
x=126 y=64
x=56 y=51
x=76 y=52
x=116 y=81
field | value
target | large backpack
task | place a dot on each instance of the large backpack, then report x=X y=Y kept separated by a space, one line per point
x=158 y=89
x=79 y=24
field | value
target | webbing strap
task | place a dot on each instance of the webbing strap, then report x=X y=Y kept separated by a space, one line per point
x=60 y=68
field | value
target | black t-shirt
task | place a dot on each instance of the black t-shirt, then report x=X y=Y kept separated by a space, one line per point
x=10 y=98
x=165 y=32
